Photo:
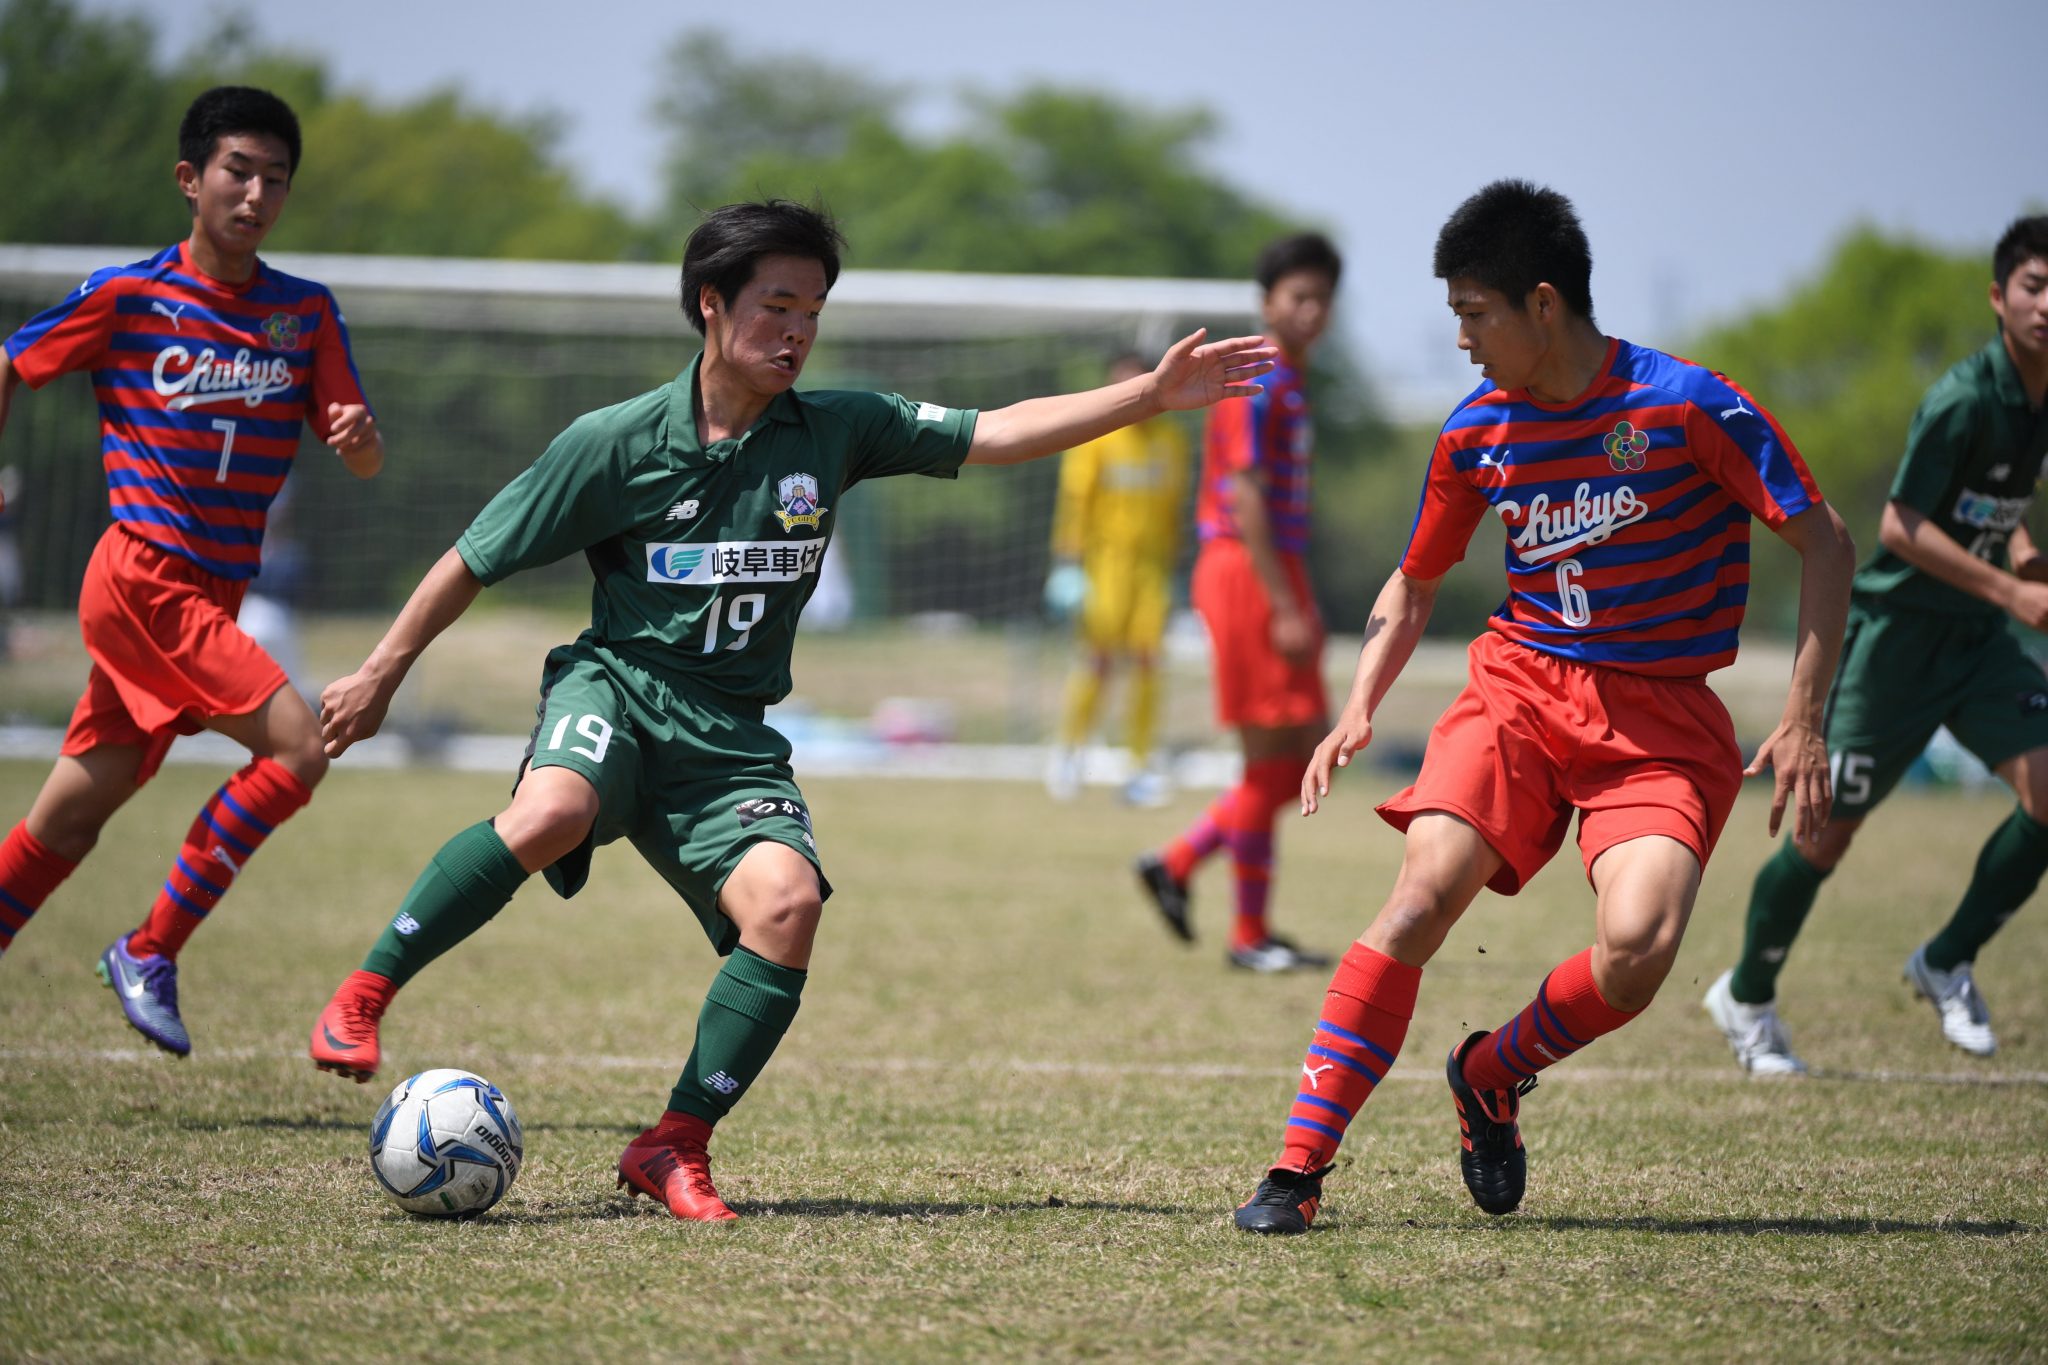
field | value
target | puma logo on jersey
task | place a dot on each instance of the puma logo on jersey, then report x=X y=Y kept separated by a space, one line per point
x=159 y=306
x=1726 y=413
x=1314 y=1071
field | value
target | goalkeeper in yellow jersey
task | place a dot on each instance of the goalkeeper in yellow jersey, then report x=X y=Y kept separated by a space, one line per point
x=1116 y=530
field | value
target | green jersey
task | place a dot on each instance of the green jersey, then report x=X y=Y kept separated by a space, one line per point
x=1973 y=459
x=705 y=555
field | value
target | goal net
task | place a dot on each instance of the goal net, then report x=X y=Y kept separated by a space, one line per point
x=475 y=365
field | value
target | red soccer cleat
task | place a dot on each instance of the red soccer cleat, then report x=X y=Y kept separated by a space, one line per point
x=671 y=1162
x=345 y=1037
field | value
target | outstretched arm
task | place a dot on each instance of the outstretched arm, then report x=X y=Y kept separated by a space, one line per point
x=353 y=708
x=1398 y=616
x=1797 y=751
x=1191 y=375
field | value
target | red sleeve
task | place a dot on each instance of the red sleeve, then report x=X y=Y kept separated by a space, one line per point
x=1232 y=435
x=70 y=336
x=1449 y=511
x=1745 y=451
x=334 y=369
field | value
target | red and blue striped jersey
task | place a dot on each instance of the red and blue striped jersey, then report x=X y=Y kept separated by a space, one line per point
x=1627 y=510
x=202 y=388
x=1269 y=436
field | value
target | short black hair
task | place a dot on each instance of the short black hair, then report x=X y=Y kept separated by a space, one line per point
x=1298 y=251
x=2026 y=239
x=1514 y=235
x=732 y=239
x=229 y=109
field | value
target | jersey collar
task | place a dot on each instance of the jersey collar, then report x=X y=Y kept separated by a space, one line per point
x=682 y=419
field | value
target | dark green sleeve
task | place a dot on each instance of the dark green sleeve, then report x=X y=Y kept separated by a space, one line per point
x=1937 y=447
x=569 y=499
x=894 y=435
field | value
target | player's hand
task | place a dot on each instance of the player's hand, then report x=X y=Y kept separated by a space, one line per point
x=2028 y=604
x=352 y=709
x=1798 y=759
x=350 y=428
x=1194 y=375
x=1066 y=587
x=1294 y=634
x=1353 y=733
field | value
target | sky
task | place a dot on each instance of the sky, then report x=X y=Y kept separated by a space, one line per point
x=1714 y=152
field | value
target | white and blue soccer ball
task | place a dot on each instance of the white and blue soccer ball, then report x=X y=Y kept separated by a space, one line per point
x=446 y=1144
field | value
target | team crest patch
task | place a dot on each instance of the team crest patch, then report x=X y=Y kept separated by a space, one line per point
x=798 y=494
x=1627 y=448
x=283 y=331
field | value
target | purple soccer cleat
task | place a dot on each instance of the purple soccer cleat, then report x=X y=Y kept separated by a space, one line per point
x=147 y=988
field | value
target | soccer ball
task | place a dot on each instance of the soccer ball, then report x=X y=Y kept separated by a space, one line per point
x=446 y=1144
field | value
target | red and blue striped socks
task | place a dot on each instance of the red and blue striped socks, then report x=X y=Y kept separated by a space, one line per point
x=231 y=826
x=1567 y=1013
x=1364 y=1020
x=29 y=872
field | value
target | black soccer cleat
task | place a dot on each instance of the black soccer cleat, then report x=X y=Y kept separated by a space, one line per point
x=1169 y=897
x=1284 y=1204
x=1490 y=1151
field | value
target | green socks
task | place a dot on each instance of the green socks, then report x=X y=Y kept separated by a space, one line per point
x=1778 y=904
x=2008 y=870
x=750 y=1005
x=468 y=881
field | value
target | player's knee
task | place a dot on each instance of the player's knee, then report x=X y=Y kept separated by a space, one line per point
x=307 y=761
x=1412 y=924
x=777 y=904
x=1828 y=848
x=1629 y=971
x=540 y=829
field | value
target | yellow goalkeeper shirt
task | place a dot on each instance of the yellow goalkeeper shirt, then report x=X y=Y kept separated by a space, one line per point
x=1123 y=493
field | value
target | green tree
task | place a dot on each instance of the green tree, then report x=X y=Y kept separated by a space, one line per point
x=87 y=128
x=1843 y=359
x=1046 y=180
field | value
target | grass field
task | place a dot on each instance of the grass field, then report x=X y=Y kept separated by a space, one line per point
x=1012 y=1118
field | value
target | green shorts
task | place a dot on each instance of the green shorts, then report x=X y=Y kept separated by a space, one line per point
x=692 y=783
x=1905 y=674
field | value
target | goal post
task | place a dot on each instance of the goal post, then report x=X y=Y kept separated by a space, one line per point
x=474 y=365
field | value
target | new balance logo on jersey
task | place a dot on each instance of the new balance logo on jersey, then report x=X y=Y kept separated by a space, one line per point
x=159 y=306
x=721 y=1082
x=209 y=379
x=683 y=510
x=405 y=925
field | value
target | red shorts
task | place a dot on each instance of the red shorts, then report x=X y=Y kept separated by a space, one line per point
x=1254 y=685
x=1534 y=737
x=167 y=655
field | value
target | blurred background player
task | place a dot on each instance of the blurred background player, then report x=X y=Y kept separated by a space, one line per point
x=1927 y=646
x=1251 y=587
x=1115 y=533
x=704 y=508
x=1626 y=479
x=206 y=362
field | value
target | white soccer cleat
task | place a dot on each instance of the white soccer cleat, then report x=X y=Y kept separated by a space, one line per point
x=1965 y=1018
x=1063 y=774
x=1149 y=789
x=1753 y=1032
